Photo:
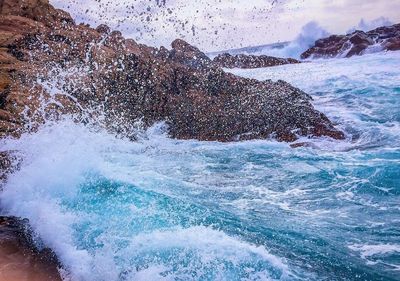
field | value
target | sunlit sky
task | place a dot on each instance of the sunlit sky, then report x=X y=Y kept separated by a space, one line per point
x=223 y=24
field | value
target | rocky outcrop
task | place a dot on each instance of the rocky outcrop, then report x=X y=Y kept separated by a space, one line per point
x=20 y=259
x=356 y=43
x=250 y=61
x=50 y=66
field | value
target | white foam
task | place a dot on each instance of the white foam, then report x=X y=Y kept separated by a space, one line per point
x=367 y=250
x=57 y=160
x=207 y=247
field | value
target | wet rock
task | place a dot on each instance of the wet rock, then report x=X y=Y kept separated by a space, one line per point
x=392 y=44
x=5 y=164
x=20 y=259
x=184 y=53
x=250 y=61
x=356 y=43
x=103 y=77
x=9 y=162
x=303 y=144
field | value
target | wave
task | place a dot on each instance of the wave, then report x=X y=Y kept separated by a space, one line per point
x=68 y=167
x=310 y=33
x=159 y=208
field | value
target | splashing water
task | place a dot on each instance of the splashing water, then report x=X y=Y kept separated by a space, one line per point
x=309 y=33
x=162 y=209
x=306 y=39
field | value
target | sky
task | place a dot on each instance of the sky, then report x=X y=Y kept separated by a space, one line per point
x=214 y=25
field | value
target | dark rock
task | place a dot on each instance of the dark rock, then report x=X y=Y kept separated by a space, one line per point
x=103 y=29
x=360 y=37
x=355 y=43
x=19 y=255
x=184 y=53
x=129 y=82
x=9 y=162
x=5 y=164
x=250 y=61
x=392 y=44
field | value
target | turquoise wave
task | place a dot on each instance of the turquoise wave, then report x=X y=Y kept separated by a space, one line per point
x=163 y=209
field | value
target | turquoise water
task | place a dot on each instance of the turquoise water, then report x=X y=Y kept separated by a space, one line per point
x=162 y=209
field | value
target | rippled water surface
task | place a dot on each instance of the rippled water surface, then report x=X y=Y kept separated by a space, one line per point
x=161 y=209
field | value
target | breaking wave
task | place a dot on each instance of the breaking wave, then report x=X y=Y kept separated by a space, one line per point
x=164 y=209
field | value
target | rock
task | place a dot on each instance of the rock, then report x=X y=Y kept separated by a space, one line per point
x=392 y=44
x=5 y=165
x=5 y=80
x=103 y=29
x=37 y=10
x=19 y=257
x=360 y=37
x=250 y=61
x=184 y=53
x=9 y=162
x=121 y=82
x=355 y=43
x=303 y=144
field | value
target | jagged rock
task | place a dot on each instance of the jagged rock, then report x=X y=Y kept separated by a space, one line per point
x=356 y=43
x=250 y=61
x=99 y=72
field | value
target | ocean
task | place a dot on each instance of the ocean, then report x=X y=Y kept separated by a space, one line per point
x=165 y=209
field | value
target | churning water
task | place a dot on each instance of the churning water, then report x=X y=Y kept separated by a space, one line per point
x=163 y=209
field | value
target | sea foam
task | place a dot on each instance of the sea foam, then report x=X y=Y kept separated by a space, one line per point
x=159 y=208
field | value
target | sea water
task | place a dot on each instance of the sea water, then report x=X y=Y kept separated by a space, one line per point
x=165 y=209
